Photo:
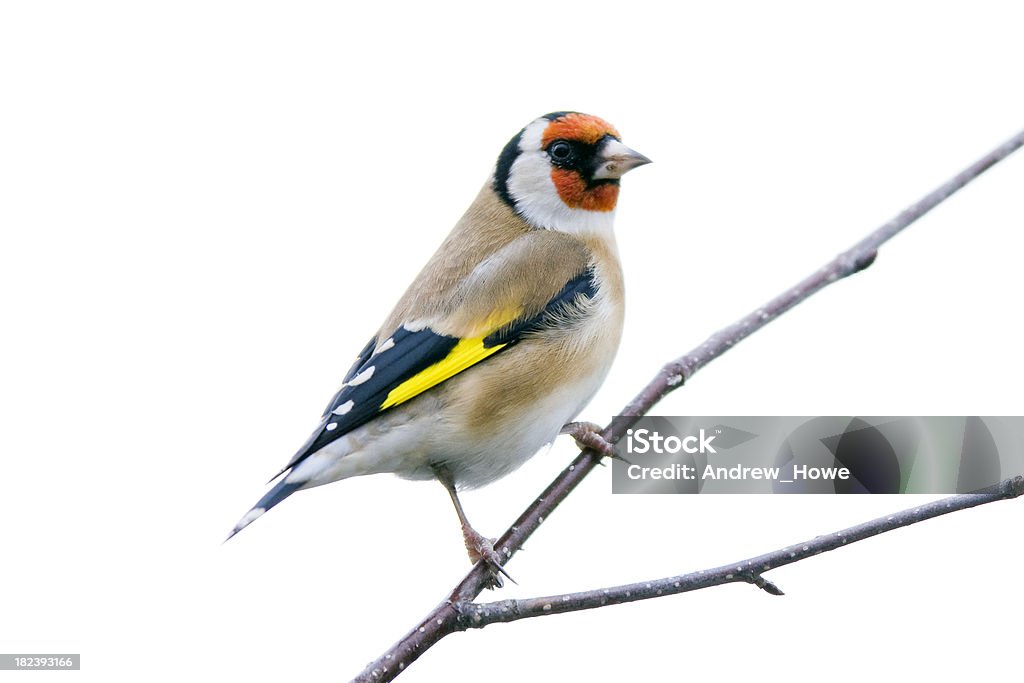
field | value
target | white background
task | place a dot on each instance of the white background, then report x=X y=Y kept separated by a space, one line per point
x=207 y=208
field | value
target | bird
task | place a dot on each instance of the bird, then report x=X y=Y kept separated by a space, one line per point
x=501 y=340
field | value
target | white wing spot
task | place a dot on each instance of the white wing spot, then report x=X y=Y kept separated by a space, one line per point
x=342 y=410
x=385 y=345
x=362 y=376
x=332 y=426
x=250 y=517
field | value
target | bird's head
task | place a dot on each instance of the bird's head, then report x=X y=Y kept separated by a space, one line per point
x=562 y=172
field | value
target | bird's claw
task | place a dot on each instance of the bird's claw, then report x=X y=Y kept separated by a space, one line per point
x=480 y=548
x=588 y=435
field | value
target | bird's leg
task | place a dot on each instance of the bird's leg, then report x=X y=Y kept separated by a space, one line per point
x=478 y=547
x=588 y=435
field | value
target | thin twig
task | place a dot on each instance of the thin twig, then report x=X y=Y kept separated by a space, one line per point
x=478 y=615
x=445 y=618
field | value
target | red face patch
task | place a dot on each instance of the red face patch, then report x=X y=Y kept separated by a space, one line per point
x=573 y=191
x=582 y=127
x=571 y=186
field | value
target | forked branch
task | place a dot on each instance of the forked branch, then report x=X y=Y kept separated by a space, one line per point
x=459 y=612
x=478 y=615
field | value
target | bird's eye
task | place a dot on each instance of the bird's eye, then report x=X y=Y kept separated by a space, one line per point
x=560 y=150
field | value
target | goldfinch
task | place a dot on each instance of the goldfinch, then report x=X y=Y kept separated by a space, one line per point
x=500 y=341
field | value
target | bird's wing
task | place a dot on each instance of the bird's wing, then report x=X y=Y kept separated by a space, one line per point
x=535 y=283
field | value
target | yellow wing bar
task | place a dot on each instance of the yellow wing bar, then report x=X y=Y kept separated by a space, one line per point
x=464 y=355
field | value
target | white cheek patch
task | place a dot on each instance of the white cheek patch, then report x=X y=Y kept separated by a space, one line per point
x=533 y=191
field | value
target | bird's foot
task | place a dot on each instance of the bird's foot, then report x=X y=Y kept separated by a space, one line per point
x=480 y=548
x=588 y=435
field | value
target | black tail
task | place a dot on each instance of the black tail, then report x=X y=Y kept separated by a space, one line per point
x=281 y=490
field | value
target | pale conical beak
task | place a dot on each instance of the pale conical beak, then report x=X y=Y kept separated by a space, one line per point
x=614 y=159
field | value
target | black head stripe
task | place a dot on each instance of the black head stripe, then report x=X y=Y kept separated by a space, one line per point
x=501 y=172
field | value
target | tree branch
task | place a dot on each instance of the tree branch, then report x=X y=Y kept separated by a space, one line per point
x=478 y=615
x=448 y=617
